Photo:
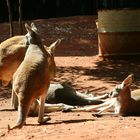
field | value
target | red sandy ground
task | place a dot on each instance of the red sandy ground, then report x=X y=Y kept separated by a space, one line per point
x=78 y=63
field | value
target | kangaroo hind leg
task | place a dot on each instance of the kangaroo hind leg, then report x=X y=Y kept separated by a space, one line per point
x=41 y=118
x=14 y=100
x=23 y=109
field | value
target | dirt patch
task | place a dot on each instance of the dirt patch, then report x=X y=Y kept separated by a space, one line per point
x=78 y=63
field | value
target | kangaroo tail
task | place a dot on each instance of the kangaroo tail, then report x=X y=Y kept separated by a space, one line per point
x=95 y=102
x=88 y=101
x=84 y=99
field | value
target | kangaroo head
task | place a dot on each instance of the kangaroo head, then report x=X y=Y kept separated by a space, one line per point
x=121 y=87
x=32 y=36
x=51 y=52
x=52 y=47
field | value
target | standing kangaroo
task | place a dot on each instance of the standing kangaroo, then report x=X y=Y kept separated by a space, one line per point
x=32 y=78
x=14 y=99
x=121 y=99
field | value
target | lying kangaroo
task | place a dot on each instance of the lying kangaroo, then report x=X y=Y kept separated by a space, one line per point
x=32 y=78
x=62 y=97
x=121 y=99
x=12 y=52
x=63 y=93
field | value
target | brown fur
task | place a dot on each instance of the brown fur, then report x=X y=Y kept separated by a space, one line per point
x=32 y=78
x=12 y=52
x=14 y=100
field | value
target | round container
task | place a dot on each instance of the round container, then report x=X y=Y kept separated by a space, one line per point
x=118 y=32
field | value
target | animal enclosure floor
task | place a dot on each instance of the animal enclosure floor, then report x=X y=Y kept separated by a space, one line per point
x=77 y=63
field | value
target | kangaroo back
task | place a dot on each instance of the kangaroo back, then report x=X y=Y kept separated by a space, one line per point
x=12 y=52
x=135 y=95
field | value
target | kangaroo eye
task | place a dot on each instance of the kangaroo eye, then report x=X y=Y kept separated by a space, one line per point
x=118 y=90
x=110 y=94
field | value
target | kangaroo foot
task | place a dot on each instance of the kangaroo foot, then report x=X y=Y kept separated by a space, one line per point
x=14 y=127
x=44 y=120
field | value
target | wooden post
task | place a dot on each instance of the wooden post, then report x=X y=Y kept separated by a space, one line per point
x=20 y=16
x=10 y=18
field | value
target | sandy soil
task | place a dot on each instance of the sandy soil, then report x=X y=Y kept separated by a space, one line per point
x=78 y=63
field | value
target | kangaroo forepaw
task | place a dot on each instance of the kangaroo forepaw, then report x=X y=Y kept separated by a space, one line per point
x=96 y=115
x=68 y=108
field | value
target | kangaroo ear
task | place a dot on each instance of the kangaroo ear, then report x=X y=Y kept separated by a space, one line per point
x=28 y=28
x=33 y=27
x=128 y=80
x=55 y=44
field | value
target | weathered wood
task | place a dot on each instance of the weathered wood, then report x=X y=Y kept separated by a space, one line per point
x=20 y=17
x=10 y=18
